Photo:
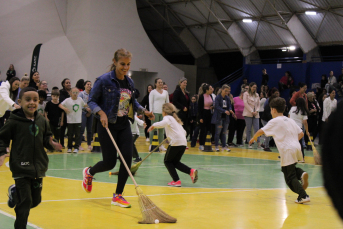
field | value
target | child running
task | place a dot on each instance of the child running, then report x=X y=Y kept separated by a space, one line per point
x=29 y=133
x=178 y=142
x=286 y=134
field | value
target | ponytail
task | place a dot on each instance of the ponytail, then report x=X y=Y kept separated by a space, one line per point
x=171 y=110
x=119 y=54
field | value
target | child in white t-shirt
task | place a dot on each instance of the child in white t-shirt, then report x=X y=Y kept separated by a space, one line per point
x=178 y=142
x=286 y=134
x=135 y=135
x=299 y=114
x=73 y=107
x=42 y=103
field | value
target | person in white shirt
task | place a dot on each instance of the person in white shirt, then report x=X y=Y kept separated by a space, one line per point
x=42 y=103
x=329 y=105
x=157 y=98
x=177 y=144
x=135 y=135
x=332 y=82
x=299 y=114
x=8 y=95
x=73 y=107
x=286 y=134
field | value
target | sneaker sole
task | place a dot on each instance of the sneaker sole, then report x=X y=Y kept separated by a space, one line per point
x=304 y=201
x=174 y=185
x=304 y=179
x=9 y=202
x=83 y=180
x=120 y=205
x=195 y=176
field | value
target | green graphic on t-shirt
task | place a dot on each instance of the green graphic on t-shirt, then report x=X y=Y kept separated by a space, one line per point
x=36 y=129
x=40 y=111
x=76 y=107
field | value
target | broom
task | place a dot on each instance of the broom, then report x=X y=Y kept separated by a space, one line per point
x=150 y=212
x=316 y=156
x=135 y=167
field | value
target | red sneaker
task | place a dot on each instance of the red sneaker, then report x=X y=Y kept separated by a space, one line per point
x=175 y=184
x=194 y=175
x=87 y=180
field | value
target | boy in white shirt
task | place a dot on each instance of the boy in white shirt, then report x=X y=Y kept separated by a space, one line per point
x=286 y=134
x=42 y=103
x=73 y=107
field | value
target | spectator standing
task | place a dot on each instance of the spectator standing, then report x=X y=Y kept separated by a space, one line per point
x=8 y=95
x=266 y=117
x=192 y=115
x=205 y=107
x=145 y=104
x=312 y=119
x=34 y=80
x=286 y=81
x=10 y=72
x=181 y=102
x=323 y=81
x=329 y=105
x=157 y=98
x=43 y=85
x=251 y=111
x=265 y=77
x=42 y=103
x=240 y=122
x=300 y=94
x=87 y=116
x=80 y=84
x=64 y=94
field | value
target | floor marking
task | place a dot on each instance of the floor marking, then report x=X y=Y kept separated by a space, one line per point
x=13 y=217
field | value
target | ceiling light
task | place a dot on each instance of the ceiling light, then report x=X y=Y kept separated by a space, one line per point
x=310 y=12
x=292 y=48
x=247 y=20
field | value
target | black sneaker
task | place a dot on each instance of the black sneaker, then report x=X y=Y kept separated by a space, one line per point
x=12 y=200
x=267 y=149
x=232 y=145
x=302 y=200
x=138 y=159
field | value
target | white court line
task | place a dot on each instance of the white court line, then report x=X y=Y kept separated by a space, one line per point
x=13 y=217
x=173 y=194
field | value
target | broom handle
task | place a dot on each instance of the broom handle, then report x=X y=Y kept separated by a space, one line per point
x=154 y=150
x=121 y=157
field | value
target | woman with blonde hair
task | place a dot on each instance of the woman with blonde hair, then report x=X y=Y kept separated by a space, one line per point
x=251 y=111
x=112 y=100
x=178 y=142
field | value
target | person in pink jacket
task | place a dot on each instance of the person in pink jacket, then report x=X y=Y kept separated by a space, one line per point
x=251 y=101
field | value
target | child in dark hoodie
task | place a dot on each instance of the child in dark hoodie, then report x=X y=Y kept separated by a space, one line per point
x=29 y=133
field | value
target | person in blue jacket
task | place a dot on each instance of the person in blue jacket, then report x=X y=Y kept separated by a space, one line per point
x=221 y=118
x=112 y=100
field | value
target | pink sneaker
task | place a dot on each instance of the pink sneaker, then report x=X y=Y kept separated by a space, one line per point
x=194 y=175
x=87 y=180
x=175 y=184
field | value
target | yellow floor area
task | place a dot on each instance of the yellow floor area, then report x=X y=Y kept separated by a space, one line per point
x=66 y=205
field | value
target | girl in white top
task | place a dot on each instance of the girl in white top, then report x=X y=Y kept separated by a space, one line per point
x=329 y=105
x=157 y=98
x=299 y=114
x=135 y=135
x=178 y=142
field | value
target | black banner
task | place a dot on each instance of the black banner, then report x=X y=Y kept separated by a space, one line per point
x=35 y=57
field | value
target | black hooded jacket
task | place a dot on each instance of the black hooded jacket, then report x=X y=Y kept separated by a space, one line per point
x=28 y=157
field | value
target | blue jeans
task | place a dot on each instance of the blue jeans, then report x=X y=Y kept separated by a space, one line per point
x=251 y=122
x=86 y=122
x=219 y=127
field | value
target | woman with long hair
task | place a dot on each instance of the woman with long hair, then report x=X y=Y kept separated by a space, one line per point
x=80 y=84
x=145 y=104
x=181 y=102
x=300 y=94
x=10 y=72
x=299 y=113
x=157 y=98
x=87 y=116
x=43 y=86
x=251 y=111
x=205 y=106
x=113 y=101
x=329 y=105
x=312 y=119
x=8 y=95
x=34 y=80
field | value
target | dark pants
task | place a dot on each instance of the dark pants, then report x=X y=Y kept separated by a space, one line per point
x=172 y=161
x=240 y=125
x=134 y=152
x=56 y=131
x=123 y=138
x=74 y=130
x=292 y=176
x=148 y=124
x=63 y=129
x=205 y=126
x=192 y=126
x=232 y=129
x=195 y=135
x=312 y=129
x=28 y=193
x=86 y=122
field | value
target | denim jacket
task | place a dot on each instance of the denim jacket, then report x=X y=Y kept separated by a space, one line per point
x=106 y=96
x=219 y=110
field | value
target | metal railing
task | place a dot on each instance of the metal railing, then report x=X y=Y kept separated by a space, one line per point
x=278 y=60
x=230 y=78
x=326 y=58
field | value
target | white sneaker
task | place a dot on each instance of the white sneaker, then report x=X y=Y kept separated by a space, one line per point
x=69 y=151
x=162 y=148
x=75 y=151
x=81 y=148
x=250 y=146
x=259 y=147
x=217 y=149
x=149 y=148
x=201 y=147
x=90 y=148
x=302 y=200
x=226 y=149
x=304 y=180
x=147 y=139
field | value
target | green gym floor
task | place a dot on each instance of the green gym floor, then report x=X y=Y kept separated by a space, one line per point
x=243 y=188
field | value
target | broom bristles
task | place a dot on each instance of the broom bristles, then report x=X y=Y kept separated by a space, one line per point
x=150 y=211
